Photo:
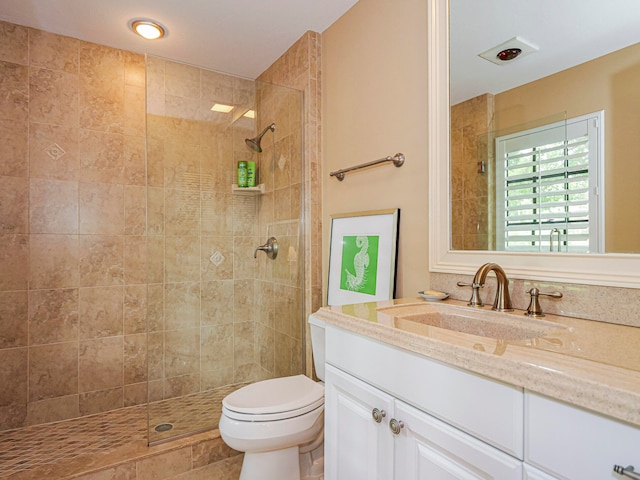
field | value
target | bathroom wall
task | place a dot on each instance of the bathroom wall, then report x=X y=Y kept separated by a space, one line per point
x=72 y=226
x=374 y=72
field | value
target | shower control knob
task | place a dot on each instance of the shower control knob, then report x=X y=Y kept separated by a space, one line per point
x=396 y=426
x=270 y=248
x=378 y=415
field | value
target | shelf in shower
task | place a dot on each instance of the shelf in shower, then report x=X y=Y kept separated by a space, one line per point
x=257 y=190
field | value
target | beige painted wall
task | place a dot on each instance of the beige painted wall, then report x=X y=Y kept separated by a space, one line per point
x=374 y=101
x=375 y=105
x=609 y=83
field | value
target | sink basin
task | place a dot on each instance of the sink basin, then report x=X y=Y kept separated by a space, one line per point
x=484 y=323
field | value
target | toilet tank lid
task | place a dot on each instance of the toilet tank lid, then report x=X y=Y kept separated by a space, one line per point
x=275 y=395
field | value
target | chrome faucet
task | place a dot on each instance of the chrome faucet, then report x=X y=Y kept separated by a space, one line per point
x=502 y=302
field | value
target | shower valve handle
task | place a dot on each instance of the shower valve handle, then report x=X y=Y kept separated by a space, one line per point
x=270 y=248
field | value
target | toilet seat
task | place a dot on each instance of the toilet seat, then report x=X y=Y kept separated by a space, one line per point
x=274 y=399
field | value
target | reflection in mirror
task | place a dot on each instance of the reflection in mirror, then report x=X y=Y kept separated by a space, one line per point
x=580 y=192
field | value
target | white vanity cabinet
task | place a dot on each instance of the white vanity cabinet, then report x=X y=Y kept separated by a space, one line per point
x=445 y=418
x=567 y=442
x=362 y=445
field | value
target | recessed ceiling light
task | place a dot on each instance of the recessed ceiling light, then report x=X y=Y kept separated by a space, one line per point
x=250 y=114
x=221 y=107
x=149 y=29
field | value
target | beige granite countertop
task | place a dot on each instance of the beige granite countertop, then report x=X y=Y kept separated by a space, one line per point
x=591 y=364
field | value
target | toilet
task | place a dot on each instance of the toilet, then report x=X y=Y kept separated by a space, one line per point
x=279 y=423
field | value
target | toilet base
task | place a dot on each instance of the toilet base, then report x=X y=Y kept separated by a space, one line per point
x=275 y=465
x=312 y=463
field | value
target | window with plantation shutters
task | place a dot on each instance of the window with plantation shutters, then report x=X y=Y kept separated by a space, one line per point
x=549 y=188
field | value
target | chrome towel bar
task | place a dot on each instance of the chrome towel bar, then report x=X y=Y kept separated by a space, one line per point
x=397 y=159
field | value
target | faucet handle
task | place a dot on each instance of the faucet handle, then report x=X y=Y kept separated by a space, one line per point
x=534 y=309
x=475 y=300
x=270 y=248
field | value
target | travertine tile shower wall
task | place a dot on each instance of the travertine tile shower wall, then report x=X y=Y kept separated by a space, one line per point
x=72 y=227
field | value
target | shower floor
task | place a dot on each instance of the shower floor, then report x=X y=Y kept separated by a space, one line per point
x=188 y=414
x=109 y=434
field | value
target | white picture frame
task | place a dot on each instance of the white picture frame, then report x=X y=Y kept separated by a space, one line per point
x=363 y=256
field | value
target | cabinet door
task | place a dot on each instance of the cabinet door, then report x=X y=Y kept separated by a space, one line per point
x=356 y=446
x=571 y=443
x=429 y=449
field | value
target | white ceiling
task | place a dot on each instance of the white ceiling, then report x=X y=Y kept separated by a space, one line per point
x=567 y=32
x=244 y=37
x=240 y=37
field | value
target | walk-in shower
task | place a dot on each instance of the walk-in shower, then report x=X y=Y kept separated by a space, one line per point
x=129 y=295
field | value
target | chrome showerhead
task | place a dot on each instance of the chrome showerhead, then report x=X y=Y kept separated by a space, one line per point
x=254 y=143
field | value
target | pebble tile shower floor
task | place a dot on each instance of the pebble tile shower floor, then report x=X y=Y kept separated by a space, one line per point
x=33 y=447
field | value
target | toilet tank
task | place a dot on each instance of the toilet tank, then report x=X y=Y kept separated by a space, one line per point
x=317 y=344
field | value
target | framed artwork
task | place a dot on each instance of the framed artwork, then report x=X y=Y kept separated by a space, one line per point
x=362 y=256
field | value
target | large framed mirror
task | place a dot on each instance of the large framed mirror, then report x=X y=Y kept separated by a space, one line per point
x=618 y=269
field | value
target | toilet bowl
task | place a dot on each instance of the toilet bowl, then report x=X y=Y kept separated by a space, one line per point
x=279 y=423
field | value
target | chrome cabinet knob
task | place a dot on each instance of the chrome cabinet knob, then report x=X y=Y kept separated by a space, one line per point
x=396 y=426
x=378 y=415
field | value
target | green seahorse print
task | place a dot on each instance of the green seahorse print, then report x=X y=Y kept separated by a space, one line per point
x=359 y=264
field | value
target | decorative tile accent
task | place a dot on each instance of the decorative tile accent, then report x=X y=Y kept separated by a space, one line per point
x=55 y=151
x=217 y=258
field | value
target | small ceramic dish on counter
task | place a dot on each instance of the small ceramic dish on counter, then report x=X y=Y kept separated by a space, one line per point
x=433 y=295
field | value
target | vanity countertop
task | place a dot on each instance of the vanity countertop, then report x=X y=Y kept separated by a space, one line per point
x=595 y=365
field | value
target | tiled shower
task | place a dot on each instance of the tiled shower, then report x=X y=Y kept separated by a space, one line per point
x=127 y=264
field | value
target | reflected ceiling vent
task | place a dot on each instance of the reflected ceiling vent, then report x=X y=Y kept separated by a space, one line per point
x=509 y=51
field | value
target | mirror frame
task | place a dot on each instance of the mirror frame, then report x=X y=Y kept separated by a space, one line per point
x=621 y=270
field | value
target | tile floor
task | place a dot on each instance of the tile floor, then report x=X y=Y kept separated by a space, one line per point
x=41 y=445
x=192 y=413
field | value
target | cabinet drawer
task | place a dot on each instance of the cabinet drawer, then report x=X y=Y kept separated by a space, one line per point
x=572 y=443
x=428 y=448
x=489 y=410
